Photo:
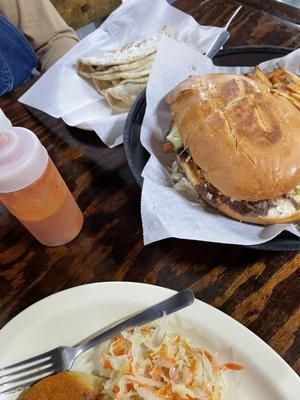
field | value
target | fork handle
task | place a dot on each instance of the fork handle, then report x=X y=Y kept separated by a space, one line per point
x=172 y=304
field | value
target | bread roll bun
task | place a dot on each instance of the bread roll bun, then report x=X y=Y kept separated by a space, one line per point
x=284 y=213
x=245 y=140
x=259 y=219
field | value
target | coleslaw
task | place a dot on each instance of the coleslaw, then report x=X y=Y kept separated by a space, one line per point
x=158 y=361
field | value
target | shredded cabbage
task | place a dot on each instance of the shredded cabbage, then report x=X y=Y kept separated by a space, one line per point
x=157 y=362
x=296 y=196
x=175 y=138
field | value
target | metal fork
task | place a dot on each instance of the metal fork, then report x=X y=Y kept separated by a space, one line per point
x=23 y=374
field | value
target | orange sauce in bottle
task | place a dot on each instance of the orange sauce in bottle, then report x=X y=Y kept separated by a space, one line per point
x=46 y=208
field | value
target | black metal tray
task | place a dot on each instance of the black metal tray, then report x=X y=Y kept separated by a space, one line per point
x=137 y=156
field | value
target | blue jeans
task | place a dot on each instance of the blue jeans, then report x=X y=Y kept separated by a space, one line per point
x=17 y=58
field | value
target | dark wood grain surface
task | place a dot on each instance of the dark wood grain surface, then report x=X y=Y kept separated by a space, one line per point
x=78 y=13
x=260 y=289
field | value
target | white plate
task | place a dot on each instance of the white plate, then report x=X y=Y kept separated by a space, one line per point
x=67 y=317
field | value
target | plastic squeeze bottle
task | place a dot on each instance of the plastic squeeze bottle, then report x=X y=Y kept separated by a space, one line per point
x=32 y=189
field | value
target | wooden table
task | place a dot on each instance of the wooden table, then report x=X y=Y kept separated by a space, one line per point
x=258 y=288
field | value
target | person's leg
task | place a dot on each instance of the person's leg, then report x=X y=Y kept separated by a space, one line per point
x=45 y=29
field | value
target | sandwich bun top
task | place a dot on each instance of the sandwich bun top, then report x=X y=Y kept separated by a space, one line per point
x=245 y=140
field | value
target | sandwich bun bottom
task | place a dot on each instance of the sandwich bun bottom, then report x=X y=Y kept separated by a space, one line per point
x=190 y=173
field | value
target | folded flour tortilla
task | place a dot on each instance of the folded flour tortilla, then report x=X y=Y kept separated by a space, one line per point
x=142 y=70
x=129 y=53
x=119 y=68
x=103 y=86
x=121 y=97
x=120 y=75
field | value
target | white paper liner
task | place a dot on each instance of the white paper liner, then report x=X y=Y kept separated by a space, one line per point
x=166 y=213
x=62 y=93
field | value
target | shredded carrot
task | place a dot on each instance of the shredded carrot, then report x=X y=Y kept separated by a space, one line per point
x=166 y=390
x=208 y=355
x=193 y=365
x=155 y=373
x=234 y=367
x=115 y=389
x=129 y=387
x=146 y=328
x=118 y=349
x=107 y=365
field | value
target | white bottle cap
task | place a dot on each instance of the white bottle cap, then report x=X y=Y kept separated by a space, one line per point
x=23 y=159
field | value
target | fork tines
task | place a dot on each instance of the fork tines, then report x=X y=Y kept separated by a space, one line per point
x=23 y=374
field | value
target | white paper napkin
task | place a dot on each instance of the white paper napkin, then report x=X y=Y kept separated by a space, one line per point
x=166 y=213
x=4 y=121
x=60 y=92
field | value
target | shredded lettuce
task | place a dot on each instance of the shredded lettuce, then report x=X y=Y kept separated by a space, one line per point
x=175 y=138
x=296 y=196
x=176 y=172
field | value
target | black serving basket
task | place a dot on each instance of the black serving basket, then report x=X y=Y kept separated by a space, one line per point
x=137 y=156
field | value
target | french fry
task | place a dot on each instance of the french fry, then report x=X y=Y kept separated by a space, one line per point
x=274 y=73
x=295 y=95
x=281 y=82
x=293 y=88
x=280 y=86
x=262 y=77
x=278 y=79
x=292 y=76
x=280 y=92
x=253 y=77
x=295 y=102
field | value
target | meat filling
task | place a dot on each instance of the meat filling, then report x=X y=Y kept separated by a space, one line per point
x=213 y=196
x=243 y=207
